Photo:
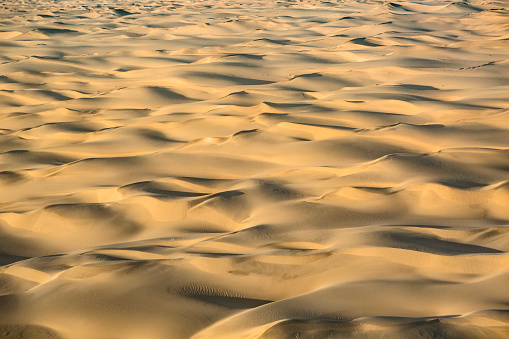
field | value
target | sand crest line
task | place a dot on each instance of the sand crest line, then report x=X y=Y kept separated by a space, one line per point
x=257 y=169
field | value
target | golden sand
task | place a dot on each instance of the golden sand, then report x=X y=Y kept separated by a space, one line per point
x=254 y=169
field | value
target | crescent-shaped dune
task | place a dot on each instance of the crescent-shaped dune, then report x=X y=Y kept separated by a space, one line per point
x=254 y=169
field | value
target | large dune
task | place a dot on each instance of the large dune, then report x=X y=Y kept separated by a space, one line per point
x=254 y=169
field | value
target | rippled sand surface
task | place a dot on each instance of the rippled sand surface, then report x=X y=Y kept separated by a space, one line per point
x=254 y=169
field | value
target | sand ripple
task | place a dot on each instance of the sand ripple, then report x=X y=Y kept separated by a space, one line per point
x=261 y=169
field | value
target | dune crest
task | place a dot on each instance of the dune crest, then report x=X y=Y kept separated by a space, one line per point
x=254 y=169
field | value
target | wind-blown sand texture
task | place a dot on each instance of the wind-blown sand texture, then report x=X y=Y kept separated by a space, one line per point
x=254 y=169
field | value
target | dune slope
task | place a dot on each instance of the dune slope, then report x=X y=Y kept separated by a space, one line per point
x=254 y=169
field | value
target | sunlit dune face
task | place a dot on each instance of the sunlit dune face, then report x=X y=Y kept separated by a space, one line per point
x=254 y=169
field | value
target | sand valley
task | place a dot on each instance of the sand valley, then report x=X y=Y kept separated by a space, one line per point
x=254 y=169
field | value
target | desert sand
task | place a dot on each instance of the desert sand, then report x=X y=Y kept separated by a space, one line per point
x=254 y=169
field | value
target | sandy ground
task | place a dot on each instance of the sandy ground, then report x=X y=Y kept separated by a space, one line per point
x=254 y=169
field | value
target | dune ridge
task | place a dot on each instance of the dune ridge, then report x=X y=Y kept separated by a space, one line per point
x=254 y=169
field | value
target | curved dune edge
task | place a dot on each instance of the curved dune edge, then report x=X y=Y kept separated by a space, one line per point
x=261 y=169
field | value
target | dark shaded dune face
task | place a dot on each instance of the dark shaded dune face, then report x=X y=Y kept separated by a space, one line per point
x=27 y=331
x=254 y=169
x=10 y=177
x=342 y=329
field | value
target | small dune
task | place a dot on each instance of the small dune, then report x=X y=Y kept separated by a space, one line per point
x=254 y=169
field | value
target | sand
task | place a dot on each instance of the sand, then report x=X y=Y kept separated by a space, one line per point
x=254 y=169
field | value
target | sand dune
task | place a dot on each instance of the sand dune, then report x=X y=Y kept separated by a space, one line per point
x=254 y=169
